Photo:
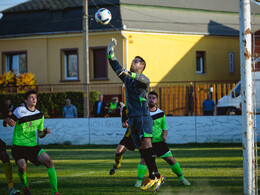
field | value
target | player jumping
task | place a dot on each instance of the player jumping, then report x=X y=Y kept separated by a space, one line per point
x=140 y=121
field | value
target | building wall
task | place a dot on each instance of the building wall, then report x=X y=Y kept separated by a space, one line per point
x=169 y=57
x=172 y=57
x=43 y=54
x=36 y=54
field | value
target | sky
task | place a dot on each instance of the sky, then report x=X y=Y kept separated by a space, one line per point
x=4 y=4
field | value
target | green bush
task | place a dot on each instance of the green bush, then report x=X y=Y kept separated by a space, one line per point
x=50 y=104
x=93 y=97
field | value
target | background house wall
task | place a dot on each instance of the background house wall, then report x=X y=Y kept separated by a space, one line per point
x=43 y=54
x=172 y=57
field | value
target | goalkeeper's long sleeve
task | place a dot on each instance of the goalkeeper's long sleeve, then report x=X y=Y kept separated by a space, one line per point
x=136 y=89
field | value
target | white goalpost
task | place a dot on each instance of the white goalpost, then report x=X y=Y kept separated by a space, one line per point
x=248 y=124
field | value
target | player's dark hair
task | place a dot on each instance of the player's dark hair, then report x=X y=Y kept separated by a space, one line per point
x=153 y=93
x=142 y=61
x=26 y=95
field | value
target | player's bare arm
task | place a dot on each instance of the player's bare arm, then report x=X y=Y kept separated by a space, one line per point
x=164 y=136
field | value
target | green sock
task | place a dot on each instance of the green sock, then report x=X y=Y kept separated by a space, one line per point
x=141 y=170
x=176 y=168
x=118 y=159
x=23 y=179
x=53 y=179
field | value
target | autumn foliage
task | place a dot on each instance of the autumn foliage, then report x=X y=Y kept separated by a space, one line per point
x=10 y=82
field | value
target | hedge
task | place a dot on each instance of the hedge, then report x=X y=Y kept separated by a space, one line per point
x=50 y=104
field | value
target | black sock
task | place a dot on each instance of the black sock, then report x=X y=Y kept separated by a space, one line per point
x=149 y=158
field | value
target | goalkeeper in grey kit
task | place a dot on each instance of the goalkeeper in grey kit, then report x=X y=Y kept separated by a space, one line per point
x=140 y=121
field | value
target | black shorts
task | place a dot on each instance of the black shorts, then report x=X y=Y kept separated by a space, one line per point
x=141 y=127
x=128 y=142
x=2 y=146
x=161 y=149
x=27 y=153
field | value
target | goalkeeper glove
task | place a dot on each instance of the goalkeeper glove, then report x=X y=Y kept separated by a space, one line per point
x=112 y=46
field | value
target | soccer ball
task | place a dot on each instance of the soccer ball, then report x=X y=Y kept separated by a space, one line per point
x=103 y=16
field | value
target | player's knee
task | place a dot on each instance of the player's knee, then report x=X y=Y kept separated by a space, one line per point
x=21 y=164
x=22 y=168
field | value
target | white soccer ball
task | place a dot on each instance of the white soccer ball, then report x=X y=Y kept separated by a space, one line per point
x=103 y=16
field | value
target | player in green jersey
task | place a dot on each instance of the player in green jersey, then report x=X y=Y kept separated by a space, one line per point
x=27 y=120
x=159 y=146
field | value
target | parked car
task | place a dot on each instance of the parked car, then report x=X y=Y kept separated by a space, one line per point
x=231 y=103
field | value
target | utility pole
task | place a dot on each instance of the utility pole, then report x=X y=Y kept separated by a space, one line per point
x=247 y=97
x=85 y=58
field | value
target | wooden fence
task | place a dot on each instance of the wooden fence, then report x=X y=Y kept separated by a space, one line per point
x=186 y=99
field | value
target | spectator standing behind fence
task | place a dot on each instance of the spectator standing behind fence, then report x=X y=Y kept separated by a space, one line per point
x=69 y=110
x=7 y=108
x=115 y=107
x=209 y=106
x=99 y=108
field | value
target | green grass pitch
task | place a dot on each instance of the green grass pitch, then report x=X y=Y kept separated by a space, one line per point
x=83 y=170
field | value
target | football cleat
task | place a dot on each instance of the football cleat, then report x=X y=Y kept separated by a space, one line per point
x=113 y=170
x=148 y=183
x=158 y=184
x=185 y=182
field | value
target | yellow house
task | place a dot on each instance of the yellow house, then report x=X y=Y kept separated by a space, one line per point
x=181 y=41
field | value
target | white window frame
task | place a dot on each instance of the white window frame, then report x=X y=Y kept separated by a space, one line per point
x=201 y=66
x=231 y=62
x=15 y=66
x=66 y=68
x=201 y=63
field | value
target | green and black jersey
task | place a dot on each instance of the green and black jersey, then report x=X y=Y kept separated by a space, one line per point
x=159 y=119
x=27 y=124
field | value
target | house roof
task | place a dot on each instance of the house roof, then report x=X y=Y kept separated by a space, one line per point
x=210 y=5
x=35 y=5
x=179 y=16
